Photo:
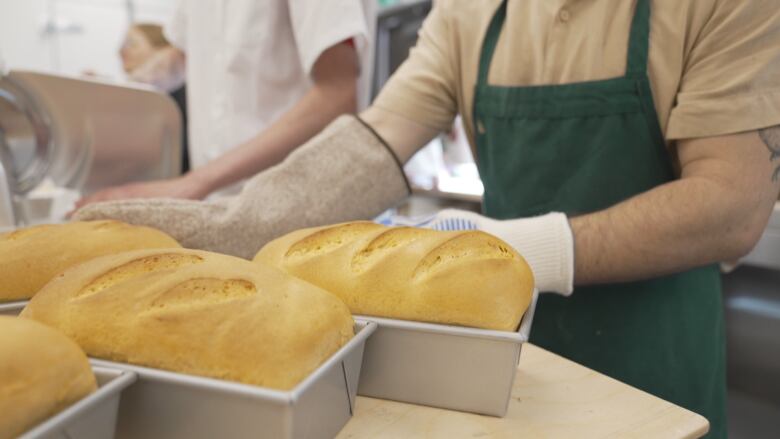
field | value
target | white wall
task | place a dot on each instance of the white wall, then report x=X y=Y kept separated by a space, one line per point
x=21 y=45
x=71 y=36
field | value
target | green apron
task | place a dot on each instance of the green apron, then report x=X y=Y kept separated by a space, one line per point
x=579 y=148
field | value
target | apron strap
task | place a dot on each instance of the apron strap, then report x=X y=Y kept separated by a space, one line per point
x=636 y=66
x=490 y=42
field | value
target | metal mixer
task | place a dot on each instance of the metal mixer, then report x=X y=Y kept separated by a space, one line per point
x=78 y=134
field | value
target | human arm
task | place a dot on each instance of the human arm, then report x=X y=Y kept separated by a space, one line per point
x=428 y=83
x=346 y=172
x=343 y=173
x=333 y=93
x=404 y=136
x=716 y=211
x=700 y=218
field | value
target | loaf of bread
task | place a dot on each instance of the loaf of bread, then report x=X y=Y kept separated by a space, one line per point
x=464 y=278
x=30 y=257
x=198 y=313
x=41 y=373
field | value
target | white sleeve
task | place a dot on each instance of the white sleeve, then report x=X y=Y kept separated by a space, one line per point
x=175 y=29
x=319 y=25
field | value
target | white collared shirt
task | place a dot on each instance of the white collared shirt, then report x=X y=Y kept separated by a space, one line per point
x=249 y=61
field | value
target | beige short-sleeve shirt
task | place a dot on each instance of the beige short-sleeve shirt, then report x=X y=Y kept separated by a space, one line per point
x=714 y=65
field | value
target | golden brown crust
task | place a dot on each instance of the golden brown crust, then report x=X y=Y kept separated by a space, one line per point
x=196 y=312
x=32 y=256
x=42 y=372
x=466 y=278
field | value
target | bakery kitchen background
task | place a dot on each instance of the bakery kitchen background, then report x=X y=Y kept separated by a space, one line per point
x=124 y=312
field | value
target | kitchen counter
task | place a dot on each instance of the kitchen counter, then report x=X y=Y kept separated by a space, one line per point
x=552 y=398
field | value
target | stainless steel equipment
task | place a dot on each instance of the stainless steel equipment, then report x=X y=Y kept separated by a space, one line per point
x=751 y=296
x=766 y=254
x=396 y=34
x=81 y=134
x=12 y=308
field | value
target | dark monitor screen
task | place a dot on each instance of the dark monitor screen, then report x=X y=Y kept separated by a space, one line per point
x=396 y=33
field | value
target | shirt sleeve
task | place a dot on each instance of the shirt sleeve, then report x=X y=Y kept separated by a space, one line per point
x=423 y=87
x=175 y=29
x=319 y=25
x=731 y=79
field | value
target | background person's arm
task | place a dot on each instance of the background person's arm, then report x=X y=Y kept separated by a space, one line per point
x=334 y=92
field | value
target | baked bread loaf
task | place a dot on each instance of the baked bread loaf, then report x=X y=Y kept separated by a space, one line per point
x=41 y=373
x=33 y=255
x=464 y=278
x=198 y=313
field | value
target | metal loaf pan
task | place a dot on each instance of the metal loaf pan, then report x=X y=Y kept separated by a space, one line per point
x=450 y=367
x=171 y=405
x=12 y=308
x=94 y=417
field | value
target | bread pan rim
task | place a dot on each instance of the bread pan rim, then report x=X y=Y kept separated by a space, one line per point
x=120 y=381
x=280 y=397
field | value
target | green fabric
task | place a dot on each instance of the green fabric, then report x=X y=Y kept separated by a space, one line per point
x=579 y=148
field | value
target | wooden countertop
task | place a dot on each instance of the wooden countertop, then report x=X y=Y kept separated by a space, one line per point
x=552 y=398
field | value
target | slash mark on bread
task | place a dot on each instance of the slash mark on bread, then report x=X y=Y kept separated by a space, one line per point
x=331 y=238
x=139 y=267
x=377 y=248
x=204 y=291
x=466 y=245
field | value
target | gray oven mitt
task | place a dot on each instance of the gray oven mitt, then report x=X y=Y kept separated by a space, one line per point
x=347 y=172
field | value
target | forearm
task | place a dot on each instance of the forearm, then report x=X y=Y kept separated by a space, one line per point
x=348 y=175
x=674 y=227
x=404 y=136
x=315 y=110
x=716 y=212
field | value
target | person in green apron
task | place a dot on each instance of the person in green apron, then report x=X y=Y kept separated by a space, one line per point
x=586 y=147
x=553 y=160
x=579 y=148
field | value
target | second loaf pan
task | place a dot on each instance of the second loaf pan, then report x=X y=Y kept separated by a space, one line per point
x=171 y=405
x=450 y=367
x=12 y=308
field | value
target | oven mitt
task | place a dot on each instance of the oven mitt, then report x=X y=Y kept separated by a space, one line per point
x=345 y=173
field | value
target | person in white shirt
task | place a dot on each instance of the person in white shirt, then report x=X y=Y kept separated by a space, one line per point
x=262 y=78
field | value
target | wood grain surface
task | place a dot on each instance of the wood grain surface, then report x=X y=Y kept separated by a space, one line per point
x=552 y=398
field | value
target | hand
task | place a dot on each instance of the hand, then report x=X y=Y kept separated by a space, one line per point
x=182 y=187
x=546 y=242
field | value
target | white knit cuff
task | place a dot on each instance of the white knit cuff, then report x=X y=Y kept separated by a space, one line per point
x=547 y=243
